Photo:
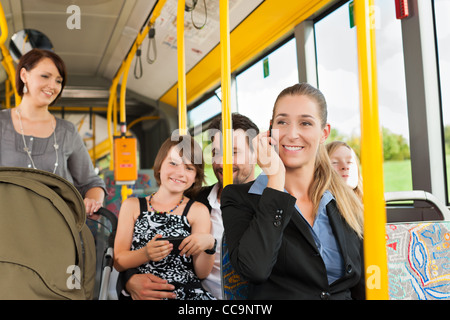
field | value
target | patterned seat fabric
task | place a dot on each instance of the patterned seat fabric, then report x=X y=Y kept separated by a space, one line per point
x=418 y=260
x=233 y=285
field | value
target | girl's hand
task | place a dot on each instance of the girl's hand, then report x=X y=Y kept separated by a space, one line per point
x=196 y=243
x=157 y=250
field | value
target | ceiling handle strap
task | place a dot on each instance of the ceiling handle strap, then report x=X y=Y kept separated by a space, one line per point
x=206 y=16
x=138 y=74
x=151 y=43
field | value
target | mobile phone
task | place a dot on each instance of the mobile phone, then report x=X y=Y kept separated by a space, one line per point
x=270 y=136
x=270 y=132
x=176 y=241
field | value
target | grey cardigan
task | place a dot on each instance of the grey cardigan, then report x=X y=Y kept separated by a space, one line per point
x=74 y=163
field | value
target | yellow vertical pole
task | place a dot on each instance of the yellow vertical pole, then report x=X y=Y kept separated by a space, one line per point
x=125 y=192
x=123 y=90
x=7 y=60
x=226 y=85
x=182 y=122
x=371 y=155
x=109 y=117
x=7 y=93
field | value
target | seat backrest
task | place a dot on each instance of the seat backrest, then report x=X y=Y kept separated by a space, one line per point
x=144 y=185
x=416 y=205
x=418 y=260
x=47 y=251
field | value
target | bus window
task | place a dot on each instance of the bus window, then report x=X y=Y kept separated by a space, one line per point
x=205 y=111
x=198 y=119
x=442 y=11
x=337 y=70
x=259 y=85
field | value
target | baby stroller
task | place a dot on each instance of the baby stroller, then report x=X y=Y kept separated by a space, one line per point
x=46 y=249
x=104 y=231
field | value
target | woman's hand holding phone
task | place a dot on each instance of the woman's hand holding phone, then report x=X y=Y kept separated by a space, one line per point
x=266 y=147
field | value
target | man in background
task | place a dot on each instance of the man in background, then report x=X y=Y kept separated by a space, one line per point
x=148 y=286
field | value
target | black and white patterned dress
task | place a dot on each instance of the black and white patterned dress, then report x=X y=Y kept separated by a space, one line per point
x=177 y=270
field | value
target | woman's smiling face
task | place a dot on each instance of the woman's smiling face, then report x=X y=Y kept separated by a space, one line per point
x=298 y=129
x=43 y=82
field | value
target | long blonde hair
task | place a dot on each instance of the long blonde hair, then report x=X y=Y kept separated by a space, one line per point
x=325 y=177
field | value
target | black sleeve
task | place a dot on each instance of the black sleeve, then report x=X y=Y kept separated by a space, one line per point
x=359 y=291
x=254 y=228
x=122 y=281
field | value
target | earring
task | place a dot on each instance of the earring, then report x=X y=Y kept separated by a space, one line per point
x=25 y=89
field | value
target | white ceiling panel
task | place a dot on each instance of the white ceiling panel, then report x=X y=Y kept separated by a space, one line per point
x=162 y=74
x=109 y=28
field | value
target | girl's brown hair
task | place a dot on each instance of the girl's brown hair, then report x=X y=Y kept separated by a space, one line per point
x=31 y=59
x=190 y=151
x=325 y=177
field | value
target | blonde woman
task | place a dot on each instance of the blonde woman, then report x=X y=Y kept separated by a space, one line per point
x=345 y=161
x=296 y=231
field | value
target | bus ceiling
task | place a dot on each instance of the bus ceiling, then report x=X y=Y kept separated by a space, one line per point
x=95 y=37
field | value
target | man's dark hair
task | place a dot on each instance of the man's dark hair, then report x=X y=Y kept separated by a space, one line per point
x=238 y=121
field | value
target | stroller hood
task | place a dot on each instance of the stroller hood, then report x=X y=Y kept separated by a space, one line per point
x=46 y=249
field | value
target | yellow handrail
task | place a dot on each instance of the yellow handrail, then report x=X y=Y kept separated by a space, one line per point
x=111 y=108
x=265 y=26
x=132 y=123
x=78 y=108
x=182 y=123
x=375 y=256
x=7 y=61
x=101 y=149
x=123 y=71
x=3 y=26
x=7 y=93
x=225 y=85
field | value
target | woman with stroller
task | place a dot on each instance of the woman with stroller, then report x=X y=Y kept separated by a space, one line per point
x=146 y=224
x=33 y=138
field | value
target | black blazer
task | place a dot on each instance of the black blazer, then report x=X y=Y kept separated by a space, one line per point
x=271 y=245
x=202 y=196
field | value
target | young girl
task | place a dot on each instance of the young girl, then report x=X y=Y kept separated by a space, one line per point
x=346 y=163
x=296 y=231
x=144 y=222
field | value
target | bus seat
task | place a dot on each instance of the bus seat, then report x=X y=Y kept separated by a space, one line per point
x=418 y=253
x=234 y=287
x=145 y=185
x=410 y=206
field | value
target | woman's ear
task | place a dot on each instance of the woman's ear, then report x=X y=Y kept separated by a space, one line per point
x=325 y=133
x=23 y=75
